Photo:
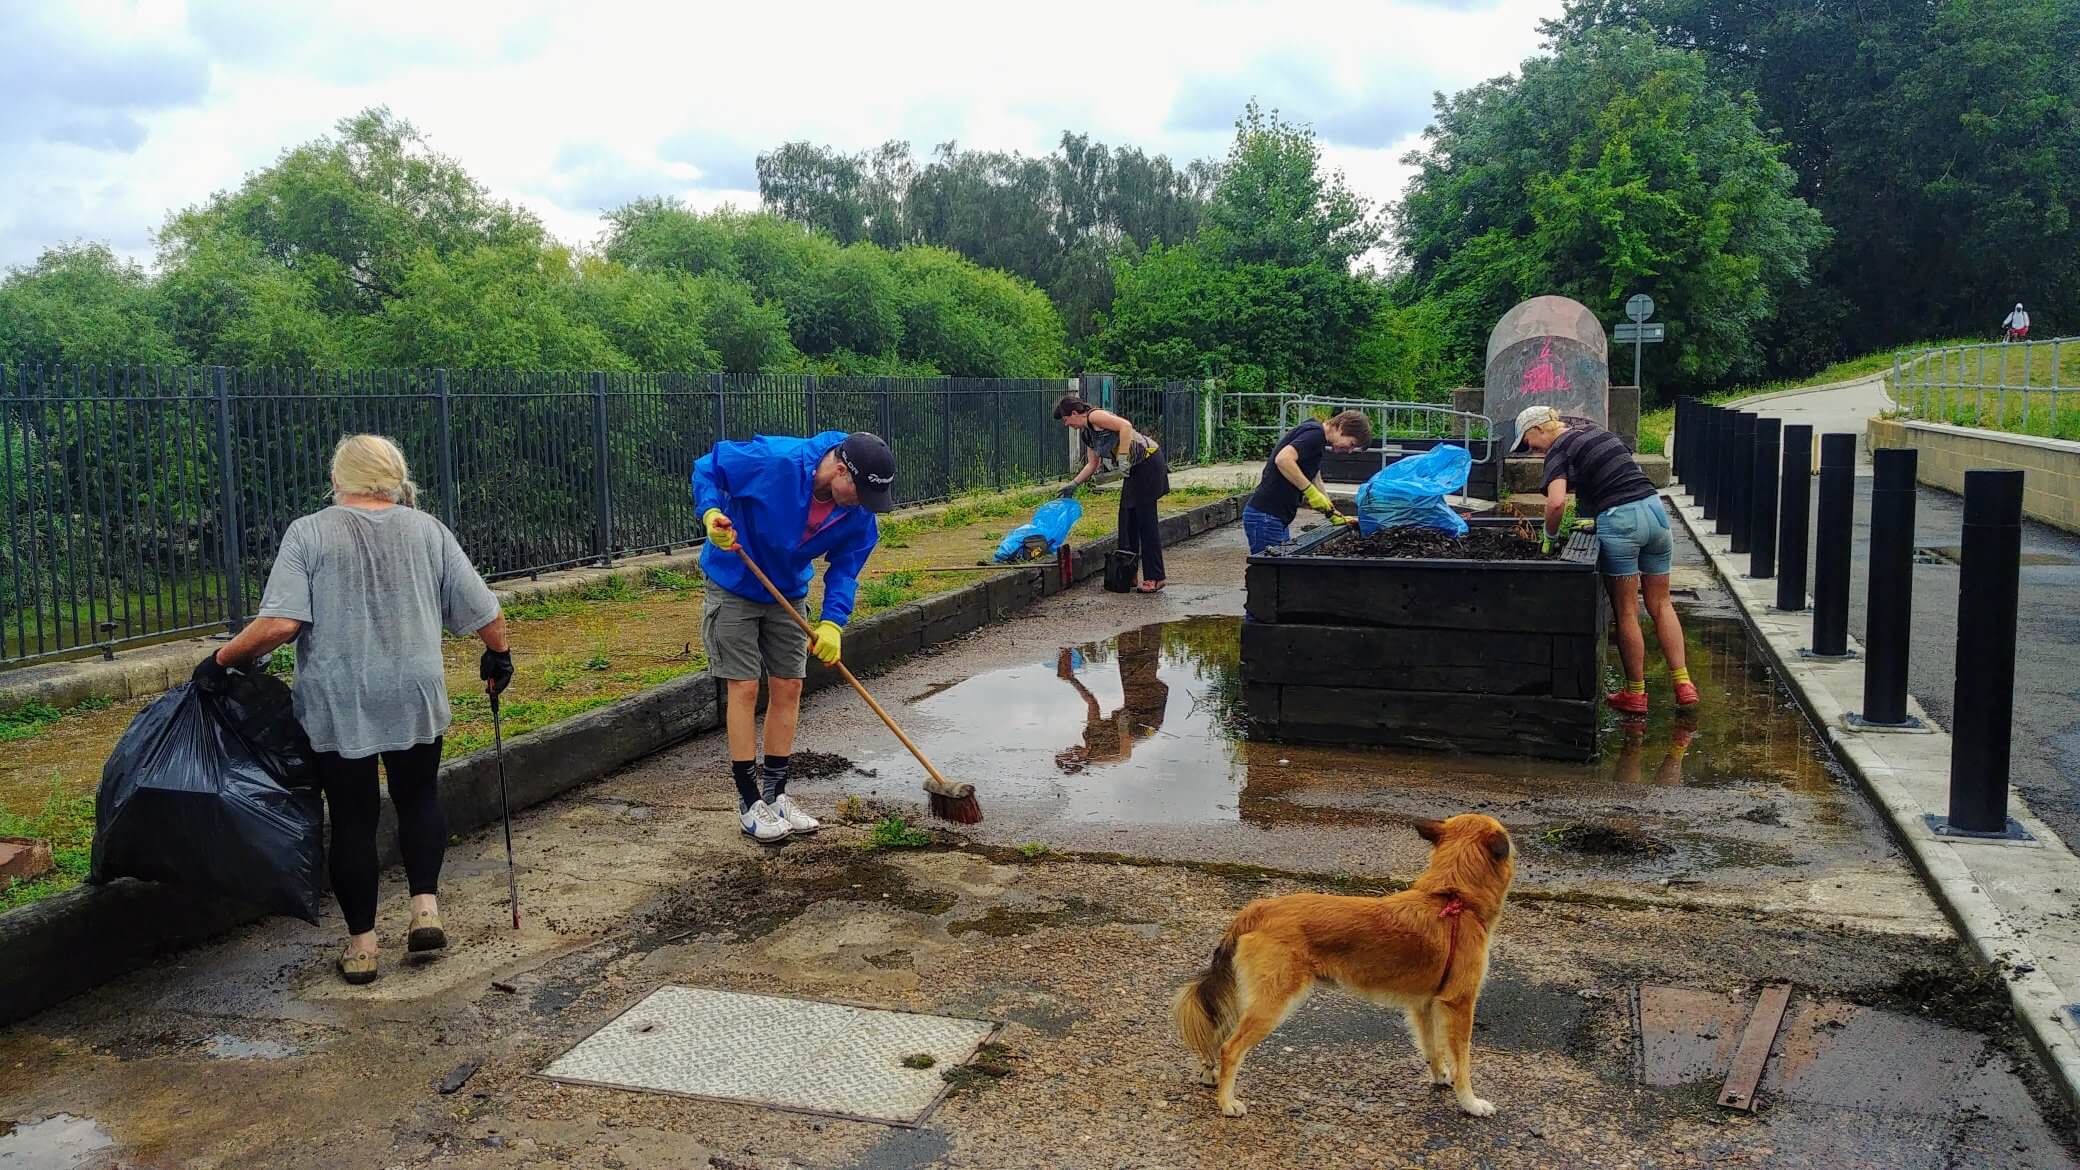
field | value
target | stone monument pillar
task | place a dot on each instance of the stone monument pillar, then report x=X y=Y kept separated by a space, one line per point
x=1548 y=351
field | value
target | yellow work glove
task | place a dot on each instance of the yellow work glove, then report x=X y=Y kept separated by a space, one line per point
x=1545 y=542
x=1318 y=500
x=721 y=533
x=1340 y=518
x=825 y=647
x=1585 y=525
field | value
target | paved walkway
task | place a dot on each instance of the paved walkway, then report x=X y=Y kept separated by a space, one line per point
x=1624 y=971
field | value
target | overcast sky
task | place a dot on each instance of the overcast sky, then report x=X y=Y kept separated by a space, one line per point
x=114 y=113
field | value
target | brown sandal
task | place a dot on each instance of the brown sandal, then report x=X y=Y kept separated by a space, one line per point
x=1150 y=587
x=425 y=933
x=356 y=969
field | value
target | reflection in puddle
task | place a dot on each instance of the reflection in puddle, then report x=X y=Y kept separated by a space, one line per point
x=224 y=1046
x=58 y=1142
x=1148 y=728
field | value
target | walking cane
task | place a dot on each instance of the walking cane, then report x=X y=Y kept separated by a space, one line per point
x=505 y=808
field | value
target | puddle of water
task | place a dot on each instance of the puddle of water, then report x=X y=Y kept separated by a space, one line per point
x=58 y=1142
x=224 y=1046
x=1148 y=728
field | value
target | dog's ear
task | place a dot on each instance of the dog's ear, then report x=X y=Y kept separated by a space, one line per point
x=1498 y=846
x=1432 y=831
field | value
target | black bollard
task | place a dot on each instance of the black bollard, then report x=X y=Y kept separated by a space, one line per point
x=1983 y=705
x=1675 y=450
x=1708 y=459
x=1723 y=473
x=1715 y=460
x=1762 y=505
x=1740 y=469
x=1889 y=616
x=1794 y=513
x=1831 y=546
x=1693 y=454
x=1686 y=444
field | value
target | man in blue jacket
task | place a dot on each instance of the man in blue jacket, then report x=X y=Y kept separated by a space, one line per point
x=787 y=502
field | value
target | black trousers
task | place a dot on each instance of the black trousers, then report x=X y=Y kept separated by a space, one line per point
x=356 y=804
x=1147 y=482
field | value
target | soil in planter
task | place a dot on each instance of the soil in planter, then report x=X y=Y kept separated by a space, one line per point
x=1415 y=542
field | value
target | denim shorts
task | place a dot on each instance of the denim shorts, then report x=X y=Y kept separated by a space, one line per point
x=1634 y=538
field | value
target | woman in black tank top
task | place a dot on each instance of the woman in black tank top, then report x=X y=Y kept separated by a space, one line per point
x=1111 y=442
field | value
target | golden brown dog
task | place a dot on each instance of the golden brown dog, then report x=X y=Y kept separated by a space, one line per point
x=1424 y=950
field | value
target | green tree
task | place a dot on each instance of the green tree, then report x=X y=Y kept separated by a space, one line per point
x=80 y=304
x=1267 y=285
x=1614 y=165
x=1940 y=141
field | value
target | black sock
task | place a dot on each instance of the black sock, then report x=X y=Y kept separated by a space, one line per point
x=776 y=777
x=745 y=773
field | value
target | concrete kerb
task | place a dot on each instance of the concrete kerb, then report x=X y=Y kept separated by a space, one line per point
x=59 y=946
x=1907 y=777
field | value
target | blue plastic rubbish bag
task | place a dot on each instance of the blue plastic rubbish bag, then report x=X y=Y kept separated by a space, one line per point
x=1412 y=492
x=1051 y=522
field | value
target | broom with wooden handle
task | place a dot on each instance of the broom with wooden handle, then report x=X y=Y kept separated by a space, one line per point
x=949 y=801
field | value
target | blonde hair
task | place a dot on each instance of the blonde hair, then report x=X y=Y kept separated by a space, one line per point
x=372 y=465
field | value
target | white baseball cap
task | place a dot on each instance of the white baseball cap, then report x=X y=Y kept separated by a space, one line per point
x=1530 y=418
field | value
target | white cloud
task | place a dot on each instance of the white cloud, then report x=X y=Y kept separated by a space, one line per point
x=124 y=111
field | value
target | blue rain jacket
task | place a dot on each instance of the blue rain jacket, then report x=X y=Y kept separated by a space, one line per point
x=764 y=487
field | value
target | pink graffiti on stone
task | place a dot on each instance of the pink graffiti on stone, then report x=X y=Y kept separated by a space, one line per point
x=1544 y=376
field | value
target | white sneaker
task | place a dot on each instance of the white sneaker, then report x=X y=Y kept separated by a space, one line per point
x=763 y=825
x=797 y=820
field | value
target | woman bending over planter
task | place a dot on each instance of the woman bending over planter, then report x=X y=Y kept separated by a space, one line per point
x=1111 y=442
x=1634 y=546
x=1294 y=473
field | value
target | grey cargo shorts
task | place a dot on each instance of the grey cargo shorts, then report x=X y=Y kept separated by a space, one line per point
x=748 y=639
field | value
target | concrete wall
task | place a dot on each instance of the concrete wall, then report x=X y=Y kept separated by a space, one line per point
x=60 y=946
x=2050 y=467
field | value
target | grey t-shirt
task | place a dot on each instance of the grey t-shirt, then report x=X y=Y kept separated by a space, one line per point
x=373 y=589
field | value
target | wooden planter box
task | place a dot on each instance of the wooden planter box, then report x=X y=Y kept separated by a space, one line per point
x=1500 y=657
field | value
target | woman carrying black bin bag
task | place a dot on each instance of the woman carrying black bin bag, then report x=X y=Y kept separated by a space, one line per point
x=1109 y=442
x=364 y=588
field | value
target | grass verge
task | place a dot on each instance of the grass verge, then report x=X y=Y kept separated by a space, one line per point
x=67 y=822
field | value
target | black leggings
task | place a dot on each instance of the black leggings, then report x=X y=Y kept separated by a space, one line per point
x=1139 y=529
x=422 y=829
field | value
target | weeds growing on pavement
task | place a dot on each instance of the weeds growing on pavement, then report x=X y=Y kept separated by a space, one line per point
x=893 y=832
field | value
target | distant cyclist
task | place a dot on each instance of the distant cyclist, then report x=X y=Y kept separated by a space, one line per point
x=2017 y=324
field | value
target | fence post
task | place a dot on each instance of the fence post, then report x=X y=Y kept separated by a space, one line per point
x=887 y=414
x=1831 y=569
x=1794 y=506
x=809 y=403
x=1983 y=705
x=602 y=505
x=996 y=437
x=1762 y=509
x=721 y=414
x=2052 y=430
x=1889 y=613
x=233 y=544
x=445 y=417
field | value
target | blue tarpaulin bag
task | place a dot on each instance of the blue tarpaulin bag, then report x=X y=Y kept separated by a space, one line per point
x=1051 y=523
x=1412 y=492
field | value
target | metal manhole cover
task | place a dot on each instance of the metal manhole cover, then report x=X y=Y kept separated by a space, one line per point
x=798 y=1054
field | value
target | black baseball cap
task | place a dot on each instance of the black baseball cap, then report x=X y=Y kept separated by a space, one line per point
x=873 y=469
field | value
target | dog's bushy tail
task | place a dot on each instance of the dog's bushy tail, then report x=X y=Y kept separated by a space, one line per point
x=1206 y=1006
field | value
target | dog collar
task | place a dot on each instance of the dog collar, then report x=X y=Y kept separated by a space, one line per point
x=1453 y=908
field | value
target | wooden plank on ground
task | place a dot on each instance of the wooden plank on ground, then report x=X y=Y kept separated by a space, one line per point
x=1739 y=1091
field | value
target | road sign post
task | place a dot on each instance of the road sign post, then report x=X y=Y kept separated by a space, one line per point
x=1639 y=307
